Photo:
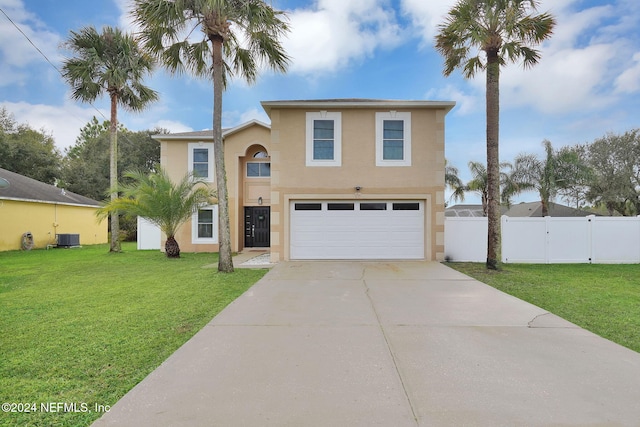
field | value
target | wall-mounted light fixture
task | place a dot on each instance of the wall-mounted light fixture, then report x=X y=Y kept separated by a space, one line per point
x=358 y=188
x=260 y=200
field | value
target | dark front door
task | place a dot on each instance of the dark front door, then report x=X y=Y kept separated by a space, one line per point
x=256 y=227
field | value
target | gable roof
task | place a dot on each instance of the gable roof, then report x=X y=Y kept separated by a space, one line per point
x=356 y=103
x=30 y=190
x=534 y=209
x=207 y=135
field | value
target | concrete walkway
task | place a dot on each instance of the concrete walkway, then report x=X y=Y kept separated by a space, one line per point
x=385 y=344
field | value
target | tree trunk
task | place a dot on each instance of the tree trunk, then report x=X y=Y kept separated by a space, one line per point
x=225 y=261
x=113 y=172
x=545 y=207
x=493 y=158
x=171 y=248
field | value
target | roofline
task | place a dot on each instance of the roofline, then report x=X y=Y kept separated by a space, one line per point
x=48 y=202
x=225 y=133
x=373 y=103
x=245 y=125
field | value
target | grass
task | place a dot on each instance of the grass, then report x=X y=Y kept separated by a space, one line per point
x=84 y=326
x=604 y=299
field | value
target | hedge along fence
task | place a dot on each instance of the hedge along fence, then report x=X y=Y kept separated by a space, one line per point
x=548 y=240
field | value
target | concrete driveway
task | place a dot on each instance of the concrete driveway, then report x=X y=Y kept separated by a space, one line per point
x=385 y=344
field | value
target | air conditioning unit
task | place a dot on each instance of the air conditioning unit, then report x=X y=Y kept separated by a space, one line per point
x=68 y=240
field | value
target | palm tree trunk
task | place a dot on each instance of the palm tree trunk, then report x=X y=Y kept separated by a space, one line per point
x=172 y=248
x=493 y=158
x=113 y=172
x=225 y=261
x=545 y=207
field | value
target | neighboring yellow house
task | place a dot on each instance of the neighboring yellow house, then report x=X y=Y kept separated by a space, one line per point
x=328 y=179
x=45 y=211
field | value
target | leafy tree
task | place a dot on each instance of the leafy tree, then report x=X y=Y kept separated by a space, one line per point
x=86 y=165
x=482 y=35
x=155 y=197
x=237 y=37
x=26 y=151
x=558 y=169
x=615 y=160
x=581 y=173
x=109 y=63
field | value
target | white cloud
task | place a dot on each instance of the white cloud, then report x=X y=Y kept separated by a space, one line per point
x=61 y=122
x=587 y=61
x=427 y=15
x=235 y=118
x=126 y=20
x=172 y=126
x=629 y=80
x=565 y=80
x=465 y=103
x=334 y=33
x=16 y=53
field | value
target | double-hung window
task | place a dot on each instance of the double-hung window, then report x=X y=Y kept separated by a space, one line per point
x=324 y=139
x=201 y=160
x=205 y=225
x=393 y=139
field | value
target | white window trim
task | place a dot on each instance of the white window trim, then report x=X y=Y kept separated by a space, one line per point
x=337 y=138
x=194 y=227
x=393 y=115
x=209 y=147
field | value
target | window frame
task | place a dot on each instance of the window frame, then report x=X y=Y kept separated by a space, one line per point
x=336 y=117
x=406 y=146
x=195 y=239
x=259 y=170
x=210 y=160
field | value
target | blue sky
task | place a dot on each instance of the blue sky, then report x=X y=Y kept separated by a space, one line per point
x=586 y=85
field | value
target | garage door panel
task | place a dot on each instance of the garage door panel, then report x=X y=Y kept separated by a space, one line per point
x=380 y=230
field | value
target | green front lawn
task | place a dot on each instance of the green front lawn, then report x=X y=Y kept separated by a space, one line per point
x=83 y=326
x=605 y=299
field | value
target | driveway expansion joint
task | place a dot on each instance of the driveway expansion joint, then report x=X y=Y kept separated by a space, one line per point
x=391 y=353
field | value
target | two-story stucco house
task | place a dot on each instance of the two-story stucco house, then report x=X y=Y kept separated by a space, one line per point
x=328 y=179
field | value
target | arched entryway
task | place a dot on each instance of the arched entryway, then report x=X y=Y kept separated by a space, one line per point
x=256 y=186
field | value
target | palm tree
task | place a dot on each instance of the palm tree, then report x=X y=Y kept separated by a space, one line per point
x=237 y=37
x=558 y=170
x=452 y=181
x=155 y=197
x=483 y=35
x=509 y=184
x=112 y=63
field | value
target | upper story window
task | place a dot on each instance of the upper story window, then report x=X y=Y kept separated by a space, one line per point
x=393 y=139
x=324 y=139
x=258 y=169
x=201 y=160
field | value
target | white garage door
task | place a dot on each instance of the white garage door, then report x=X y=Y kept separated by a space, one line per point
x=357 y=230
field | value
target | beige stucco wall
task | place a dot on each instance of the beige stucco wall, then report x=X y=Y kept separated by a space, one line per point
x=45 y=220
x=242 y=191
x=424 y=180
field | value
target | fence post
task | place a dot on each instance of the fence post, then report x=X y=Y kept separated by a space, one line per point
x=547 y=241
x=591 y=220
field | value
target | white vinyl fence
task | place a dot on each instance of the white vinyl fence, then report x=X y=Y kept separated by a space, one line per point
x=598 y=240
x=149 y=235
x=465 y=239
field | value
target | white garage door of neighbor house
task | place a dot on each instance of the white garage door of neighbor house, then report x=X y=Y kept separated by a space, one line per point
x=357 y=229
